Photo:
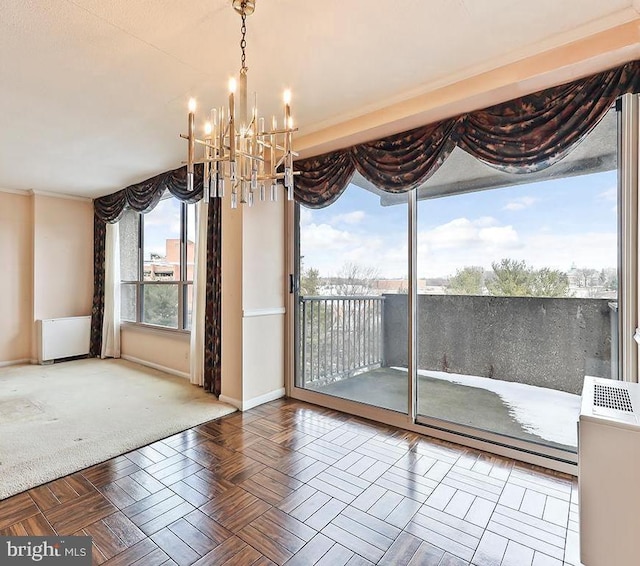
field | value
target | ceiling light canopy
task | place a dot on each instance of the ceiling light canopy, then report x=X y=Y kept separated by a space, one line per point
x=237 y=148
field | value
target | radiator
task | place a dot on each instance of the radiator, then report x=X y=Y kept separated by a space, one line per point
x=609 y=460
x=63 y=337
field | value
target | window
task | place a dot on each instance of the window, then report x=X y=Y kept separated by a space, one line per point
x=156 y=264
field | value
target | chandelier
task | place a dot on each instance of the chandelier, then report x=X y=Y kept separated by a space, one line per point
x=237 y=149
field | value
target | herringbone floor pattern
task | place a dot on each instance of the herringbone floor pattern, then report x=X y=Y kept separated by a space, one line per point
x=291 y=483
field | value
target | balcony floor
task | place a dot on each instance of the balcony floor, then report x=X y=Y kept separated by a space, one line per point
x=521 y=411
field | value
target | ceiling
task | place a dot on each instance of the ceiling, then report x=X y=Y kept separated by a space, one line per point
x=93 y=94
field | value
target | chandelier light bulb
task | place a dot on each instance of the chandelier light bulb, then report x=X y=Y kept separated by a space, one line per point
x=287 y=96
x=192 y=105
x=232 y=85
x=208 y=128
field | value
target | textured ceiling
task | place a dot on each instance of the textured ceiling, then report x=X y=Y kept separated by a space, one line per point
x=93 y=93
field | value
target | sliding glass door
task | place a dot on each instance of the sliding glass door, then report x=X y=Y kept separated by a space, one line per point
x=517 y=291
x=502 y=288
x=352 y=268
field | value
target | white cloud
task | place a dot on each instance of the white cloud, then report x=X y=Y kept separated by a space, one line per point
x=559 y=251
x=351 y=218
x=610 y=194
x=542 y=249
x=306 y=216
x=519 y=204
x=462 y=242
x=468 y=233
x=325 y=237
x=451 y=246
x=485 y=221
x=327 y=249
x=500 y=236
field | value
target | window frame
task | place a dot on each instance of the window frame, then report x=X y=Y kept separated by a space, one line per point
x=182 y=284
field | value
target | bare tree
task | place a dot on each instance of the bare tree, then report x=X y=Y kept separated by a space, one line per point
x=354 y=279
x=585 y=276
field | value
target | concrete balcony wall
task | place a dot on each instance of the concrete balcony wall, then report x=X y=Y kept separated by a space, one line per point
x=546 y=342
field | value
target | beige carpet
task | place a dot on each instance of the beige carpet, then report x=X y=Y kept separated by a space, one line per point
x=61 y=418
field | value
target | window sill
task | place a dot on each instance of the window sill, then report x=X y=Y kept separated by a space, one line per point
x=152 y=329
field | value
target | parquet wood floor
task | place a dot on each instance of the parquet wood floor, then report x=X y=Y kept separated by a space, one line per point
x=291 y=483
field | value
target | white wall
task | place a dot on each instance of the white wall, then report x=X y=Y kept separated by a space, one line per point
x=253 y=303
x=263 y=300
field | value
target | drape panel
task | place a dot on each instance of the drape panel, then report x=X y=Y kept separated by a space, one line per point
x=523 y=135
x=97 y=308
x=198 y=301
x=111 y=317
x=213 y=312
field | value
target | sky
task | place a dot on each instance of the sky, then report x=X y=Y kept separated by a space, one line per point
x=560 y=223
x=163 y=222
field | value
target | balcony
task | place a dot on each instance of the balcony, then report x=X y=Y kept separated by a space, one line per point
x=509 y=365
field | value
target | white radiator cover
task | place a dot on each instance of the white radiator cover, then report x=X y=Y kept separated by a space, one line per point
x=63 y=337
x=609 y=460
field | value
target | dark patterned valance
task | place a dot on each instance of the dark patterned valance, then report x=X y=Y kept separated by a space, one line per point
x=522 y=135
x=144 y=196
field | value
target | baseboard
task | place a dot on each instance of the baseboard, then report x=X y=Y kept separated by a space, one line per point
x=251 y=403
x=155 y=366
x=14 y=362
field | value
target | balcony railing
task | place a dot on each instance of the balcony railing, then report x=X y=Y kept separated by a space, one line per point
x=339 y=337
x=546 y=342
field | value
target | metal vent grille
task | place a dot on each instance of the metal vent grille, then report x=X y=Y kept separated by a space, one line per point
x=612 y=398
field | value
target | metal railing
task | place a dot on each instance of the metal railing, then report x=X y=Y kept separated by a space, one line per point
x=339 y=337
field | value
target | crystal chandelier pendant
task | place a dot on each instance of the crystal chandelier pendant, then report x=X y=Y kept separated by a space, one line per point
x=236 y=146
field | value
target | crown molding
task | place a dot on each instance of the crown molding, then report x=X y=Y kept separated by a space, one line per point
x=36 y=192
x=39 y=193
x=20 y=192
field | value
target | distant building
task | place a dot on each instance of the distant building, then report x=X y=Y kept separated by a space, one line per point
x=167 y=268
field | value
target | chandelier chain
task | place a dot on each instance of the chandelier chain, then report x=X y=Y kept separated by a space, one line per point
x=243 y=41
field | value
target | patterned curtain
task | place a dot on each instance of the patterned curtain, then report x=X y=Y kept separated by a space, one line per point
x=213 y=312
x=323 y=178
x=400 y=163
x=143 y=197
x=97 y=308
x=522 y=135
